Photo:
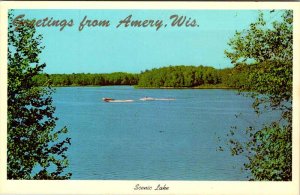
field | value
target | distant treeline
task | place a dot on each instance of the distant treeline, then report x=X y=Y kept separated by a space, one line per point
x=165 y=77
x=81 y=79
x=194 y=76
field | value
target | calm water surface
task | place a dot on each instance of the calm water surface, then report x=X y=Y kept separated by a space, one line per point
x=151 y=140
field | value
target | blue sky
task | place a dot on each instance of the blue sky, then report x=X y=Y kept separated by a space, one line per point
x=105 y=50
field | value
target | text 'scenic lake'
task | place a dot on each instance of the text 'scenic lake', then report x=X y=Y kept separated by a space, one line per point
x=152 y=140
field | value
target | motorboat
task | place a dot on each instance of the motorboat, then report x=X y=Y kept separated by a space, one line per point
x=114 y=100
x=142 y=99
x=107 y=99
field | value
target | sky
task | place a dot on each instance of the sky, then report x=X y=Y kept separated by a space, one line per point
x=132 y=49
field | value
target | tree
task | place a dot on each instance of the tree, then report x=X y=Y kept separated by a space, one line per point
x=268 y=49
x=35 y=149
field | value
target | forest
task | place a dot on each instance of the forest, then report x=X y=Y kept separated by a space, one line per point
x=82 y=79
x=164 y=77
x=194 y=77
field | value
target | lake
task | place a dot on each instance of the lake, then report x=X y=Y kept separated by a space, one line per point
x=152 y=140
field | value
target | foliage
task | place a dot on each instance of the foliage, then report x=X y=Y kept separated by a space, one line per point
x=34 y=150
x=179 y=76
x=172 y=76
x=268 y=48
x=80 y=79
x=236 y=77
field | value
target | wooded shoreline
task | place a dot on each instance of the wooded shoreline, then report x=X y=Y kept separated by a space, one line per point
x=137 y=87
x=171 y=77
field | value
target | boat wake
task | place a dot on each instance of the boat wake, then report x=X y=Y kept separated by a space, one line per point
x=121 y=101
x=156 y=99
x=142 y=99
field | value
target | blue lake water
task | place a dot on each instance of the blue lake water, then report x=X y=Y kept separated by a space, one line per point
x=151 y=140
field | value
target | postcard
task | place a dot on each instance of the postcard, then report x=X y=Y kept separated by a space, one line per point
x=149 y=98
